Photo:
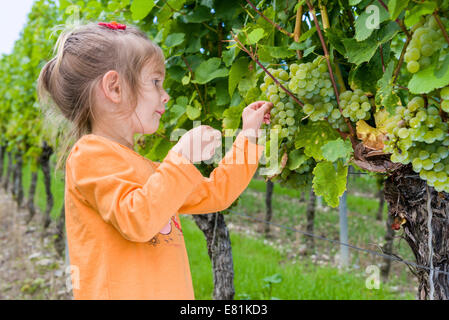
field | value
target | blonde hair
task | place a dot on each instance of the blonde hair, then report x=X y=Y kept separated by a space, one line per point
x=83 y=55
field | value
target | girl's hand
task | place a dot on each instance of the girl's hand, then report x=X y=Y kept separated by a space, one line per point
x=254 y=115
x=199 y=144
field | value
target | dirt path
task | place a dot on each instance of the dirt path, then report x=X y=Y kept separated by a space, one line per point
x=30 y=268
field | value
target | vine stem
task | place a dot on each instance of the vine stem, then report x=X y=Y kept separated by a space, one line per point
x=326 y=55
x=429 y=242
x=253 y=57
x=401 y=60
x=381 y=51
x=440 y=24
x=297 y=32
x=269 y=21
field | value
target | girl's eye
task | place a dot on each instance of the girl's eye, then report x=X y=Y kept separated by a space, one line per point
x=156 y=82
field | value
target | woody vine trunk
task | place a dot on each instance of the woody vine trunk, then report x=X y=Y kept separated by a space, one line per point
x=17 y=180
x=44 y=161
x=220 y=253
x=409 y=197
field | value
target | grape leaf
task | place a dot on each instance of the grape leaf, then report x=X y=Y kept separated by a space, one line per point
x=141 y=8
x=255 y=35
x=209 y=70
x=232 y=116
x=425 y=81
x=412 y=16
x=174 y=39
x=296 y=158
x=363 y=27
x=358 y=52
x=193 y=112
x=336 y=149
x=386 y=94
x=238 y=70
x=313 y=136
x=395 y=8
x=276 y=52
x=330 y=181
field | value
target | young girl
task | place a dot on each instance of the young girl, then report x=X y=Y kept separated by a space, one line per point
x=124 y=234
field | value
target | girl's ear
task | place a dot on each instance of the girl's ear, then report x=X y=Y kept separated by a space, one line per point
x=111 y=87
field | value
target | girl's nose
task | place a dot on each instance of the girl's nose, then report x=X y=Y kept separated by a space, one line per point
x=165 y=97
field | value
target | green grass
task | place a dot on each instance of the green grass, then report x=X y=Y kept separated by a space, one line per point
x=254 y=260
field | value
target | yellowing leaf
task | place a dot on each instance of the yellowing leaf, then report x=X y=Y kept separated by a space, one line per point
x=371 y=137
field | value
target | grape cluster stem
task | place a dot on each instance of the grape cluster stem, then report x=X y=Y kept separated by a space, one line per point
x=252 y=56
x=269 y=21
x=331 y=73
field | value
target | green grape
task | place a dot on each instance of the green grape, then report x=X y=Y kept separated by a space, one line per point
x=444 y=93
x=290 y=113
x=445 y=105
x=282 y=114
x=336 y=114
x=417 y=164
x=414 y=54
x=427 y=50
x=283 y=75
x=427 y=164
x=290 y=121
x=435 y=157
x=438 y=167
x=423 y=155
x=414 y=122
x=413 y=66
x=308 y=108
x=275 y=98
x=293 y=68
x=403 y=133
x=421 y=115
x=441 y=176
x=366 y=106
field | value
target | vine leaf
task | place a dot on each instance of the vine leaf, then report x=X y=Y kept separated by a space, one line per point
x=238 y=70
x=313 y=136
x=412 y=16
x=329 y=181
x=209 y=70
x=296 y=158
x=363 y=29
x=141 y=8
x=337 y=149
x=358 y=52
x=373 y=138
x=426 y=80
x=386 y=94
x=395 y=8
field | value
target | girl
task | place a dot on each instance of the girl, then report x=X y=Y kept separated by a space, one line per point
x=124 y=235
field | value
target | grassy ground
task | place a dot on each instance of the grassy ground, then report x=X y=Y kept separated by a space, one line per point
x=293 y=275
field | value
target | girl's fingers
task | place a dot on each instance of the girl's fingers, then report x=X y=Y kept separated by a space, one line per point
x=256 y=105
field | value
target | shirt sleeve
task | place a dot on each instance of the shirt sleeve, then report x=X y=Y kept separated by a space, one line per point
x=104 y=179
x=227 y=181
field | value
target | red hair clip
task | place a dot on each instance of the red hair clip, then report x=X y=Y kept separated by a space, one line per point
x=113 y=25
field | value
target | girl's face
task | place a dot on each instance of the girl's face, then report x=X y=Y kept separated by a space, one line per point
x=150 y=102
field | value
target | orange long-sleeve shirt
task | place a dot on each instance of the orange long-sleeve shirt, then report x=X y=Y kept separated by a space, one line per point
x=123 y=230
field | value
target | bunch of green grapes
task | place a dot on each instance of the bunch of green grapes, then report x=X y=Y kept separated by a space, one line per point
x=418 y=135
x=283 y=115
x=444 y=94
x=355 y=105
x=426 y=40
x=311 y=83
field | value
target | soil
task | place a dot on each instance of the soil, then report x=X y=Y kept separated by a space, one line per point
x=30 y=268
